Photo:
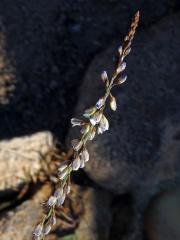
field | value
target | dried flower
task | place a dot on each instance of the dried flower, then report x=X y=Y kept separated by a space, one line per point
x=104 y=76
x=89 y=112
x=52 y=201
x=38 y=230
x=47 y=229
x=120 y=50
x=85 y=129
x=122 y=79
x=92 y=134
x=76 y=144
x=84 y=155
x=62 y=175
x=113 y=104
x=95 y=119
x=121 y=68
x=60 y=200
x=76 y=122
x=100 y=103
x=67 y=189
x=103 y=125
x=62 y=166
x=76 y=163
x=58 y=193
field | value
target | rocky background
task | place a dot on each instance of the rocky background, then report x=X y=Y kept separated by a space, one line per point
x=46 y=48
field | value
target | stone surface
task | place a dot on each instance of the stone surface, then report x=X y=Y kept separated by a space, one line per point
x=162 y=216
x=19 y=223
x=21 y=158
x=96 y=220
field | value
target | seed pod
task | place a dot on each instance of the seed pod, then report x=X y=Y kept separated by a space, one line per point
x=76 y=144
x=113 y=104
x=100 y=103
x=76 y=163
x=89 y=112
x=52 y=201
x=38 y=230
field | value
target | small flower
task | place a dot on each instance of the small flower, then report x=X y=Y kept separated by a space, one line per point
x=53 y=220
x=89 y=112
x=61 y=200
x=95 y=119
x=47 y=229
x=62 y=166
x=76 y=122
x=52 y=201
x=113 y=104
x=100 y=103
x=104 y=76
x=38 y=230
x=103 y=125
x=76 y=144
x=62 y=175
x=120 y=50
x=128 y=51
x=91 y=134
x=76 y=163
x=67 y=189
x=121 y=68
x=122 y=79
x=85 y=129
x=58 y=193
x=82 y=164
x=84 y=155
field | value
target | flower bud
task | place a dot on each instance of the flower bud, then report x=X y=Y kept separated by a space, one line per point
x=121 y=68
x=52 y=201
x=95 y=119
x=100 y=103
x=76 y=163
x=60 y=200
x=104 y=76
x=76 y=144
x=62 y=166
x=120 y=50
x=47 y=229
x=113 y=104
x=84 y=155
x=89 y=112
x=38 y=230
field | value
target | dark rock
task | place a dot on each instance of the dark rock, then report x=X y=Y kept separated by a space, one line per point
x=49 y=42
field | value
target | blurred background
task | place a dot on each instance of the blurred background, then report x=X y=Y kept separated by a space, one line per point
x=46 y=48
